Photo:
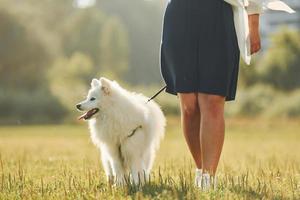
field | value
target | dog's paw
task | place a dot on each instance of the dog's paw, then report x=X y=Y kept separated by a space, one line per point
x=119 y=182
x=139 y=178
x=110 y=179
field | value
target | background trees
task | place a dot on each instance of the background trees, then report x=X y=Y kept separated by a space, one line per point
x=49 y=51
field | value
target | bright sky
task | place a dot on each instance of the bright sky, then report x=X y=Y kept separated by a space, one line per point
x=84 y=3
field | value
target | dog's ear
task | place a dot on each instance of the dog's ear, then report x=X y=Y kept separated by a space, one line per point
x=105 y=85
x=95 y=82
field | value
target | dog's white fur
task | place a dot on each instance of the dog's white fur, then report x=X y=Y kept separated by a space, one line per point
x=120 y=113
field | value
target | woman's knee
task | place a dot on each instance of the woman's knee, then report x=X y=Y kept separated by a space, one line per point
x=189 y=104
x=211 y=105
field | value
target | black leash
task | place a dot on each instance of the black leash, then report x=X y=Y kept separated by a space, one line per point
x=157 y=93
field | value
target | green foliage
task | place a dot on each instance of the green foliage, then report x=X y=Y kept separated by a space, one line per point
x=22 y=54
x=54 y=45
x=280 y=66
x=253 y=101
x=68 y=79
x=271 y=83
x=143 y=21
x=265 y=101
x=27 y=107
x=287 y=105
x=248 y=75
x=114 y=47
x=80 y=33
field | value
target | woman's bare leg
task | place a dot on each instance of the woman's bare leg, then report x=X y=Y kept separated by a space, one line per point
x=190 y=122
x=212 y=130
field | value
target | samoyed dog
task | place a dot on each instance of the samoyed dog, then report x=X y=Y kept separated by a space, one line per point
x=125 y=127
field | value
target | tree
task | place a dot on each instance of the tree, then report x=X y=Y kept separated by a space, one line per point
x=69 y=77
x=281 y=64
x=143 y=21
x=81 y=31
x=23 y=55
x=114 y=49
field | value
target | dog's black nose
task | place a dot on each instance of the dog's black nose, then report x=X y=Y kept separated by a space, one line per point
x=78 y=106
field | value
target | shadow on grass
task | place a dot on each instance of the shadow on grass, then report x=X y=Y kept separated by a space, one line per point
x=247 y=193
x=184 y=189
x=165 y=187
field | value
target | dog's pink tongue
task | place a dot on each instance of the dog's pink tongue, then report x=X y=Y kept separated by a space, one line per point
x=86 y=115
x=82 y=116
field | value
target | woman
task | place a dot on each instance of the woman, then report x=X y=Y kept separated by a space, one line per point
x=200 y=64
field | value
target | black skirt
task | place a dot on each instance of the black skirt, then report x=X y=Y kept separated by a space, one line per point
x=199 y=50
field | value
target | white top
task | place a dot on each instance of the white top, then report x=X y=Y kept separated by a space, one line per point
x=241 y=10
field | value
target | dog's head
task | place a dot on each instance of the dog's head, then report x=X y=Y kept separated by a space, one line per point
x=100 y=89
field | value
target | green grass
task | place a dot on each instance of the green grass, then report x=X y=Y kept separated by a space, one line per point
x=260 y=160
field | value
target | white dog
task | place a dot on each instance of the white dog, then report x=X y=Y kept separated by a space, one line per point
x=125 y=127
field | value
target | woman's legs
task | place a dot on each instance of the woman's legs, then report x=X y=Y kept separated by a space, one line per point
x=212 y=130
x=190 y=122
x=204 y=131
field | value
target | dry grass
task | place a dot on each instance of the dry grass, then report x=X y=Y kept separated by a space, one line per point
x=261 y=160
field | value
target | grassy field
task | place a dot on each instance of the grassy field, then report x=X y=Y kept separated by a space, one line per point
x=261 y=160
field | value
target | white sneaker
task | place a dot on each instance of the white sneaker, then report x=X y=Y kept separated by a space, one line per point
x=205 y=181
x=215 y=184
x=198 y=178
x=208 y=182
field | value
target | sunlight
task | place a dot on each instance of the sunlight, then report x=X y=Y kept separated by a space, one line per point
x=84 y=3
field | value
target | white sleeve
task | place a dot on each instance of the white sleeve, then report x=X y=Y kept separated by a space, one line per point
x=254 y=7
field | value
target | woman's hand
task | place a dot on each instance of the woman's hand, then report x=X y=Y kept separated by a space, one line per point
x=254 y=33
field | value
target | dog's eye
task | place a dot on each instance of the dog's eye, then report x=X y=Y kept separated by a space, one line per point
x=92 y=99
